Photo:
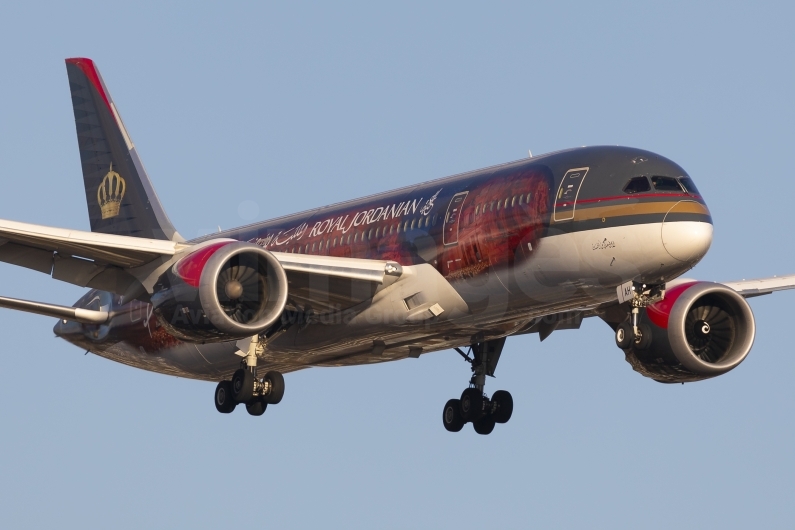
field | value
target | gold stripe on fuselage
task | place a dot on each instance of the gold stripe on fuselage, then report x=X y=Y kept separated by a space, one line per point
x=638 y=208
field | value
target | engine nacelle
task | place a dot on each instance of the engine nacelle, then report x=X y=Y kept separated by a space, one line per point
x=699 y=330
x=223 y=291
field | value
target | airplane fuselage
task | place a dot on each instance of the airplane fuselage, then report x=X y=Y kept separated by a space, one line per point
x=519 y=241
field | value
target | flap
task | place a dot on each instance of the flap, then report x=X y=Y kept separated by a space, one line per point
x=326 y=284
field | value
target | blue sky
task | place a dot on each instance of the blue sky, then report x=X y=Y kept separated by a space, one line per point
x=246 y=111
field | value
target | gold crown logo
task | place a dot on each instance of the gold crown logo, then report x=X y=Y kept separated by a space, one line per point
x=110 y=193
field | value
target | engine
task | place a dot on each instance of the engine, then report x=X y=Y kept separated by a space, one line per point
x=699 y=330
x=223 y=291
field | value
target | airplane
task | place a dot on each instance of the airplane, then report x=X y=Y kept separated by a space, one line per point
x=462 y=262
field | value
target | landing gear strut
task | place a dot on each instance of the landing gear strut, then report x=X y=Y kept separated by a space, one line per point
x=474 y=406
x=245 y=387
x=632 y=332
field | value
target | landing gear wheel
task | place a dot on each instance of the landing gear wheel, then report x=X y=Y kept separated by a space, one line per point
x=484 y=425
x=243 y=385
x=643 y=341
x=257 y=406
x=504 y=402
x=224 y=402
x=276 y=392
x=451 y=417
x=624 y=335
x=471 y=404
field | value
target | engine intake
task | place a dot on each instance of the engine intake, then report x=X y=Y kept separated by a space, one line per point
x=700 y=330
x=222 y=291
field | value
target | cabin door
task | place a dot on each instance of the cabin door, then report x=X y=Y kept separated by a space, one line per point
x=453 y=218
x=569 y=189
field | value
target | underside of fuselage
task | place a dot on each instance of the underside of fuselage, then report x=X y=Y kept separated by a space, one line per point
x=507 y=247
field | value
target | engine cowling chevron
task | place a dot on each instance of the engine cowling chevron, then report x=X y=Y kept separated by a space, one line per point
x=223 y=291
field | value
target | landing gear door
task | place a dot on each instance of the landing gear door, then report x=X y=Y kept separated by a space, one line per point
x=453 y=218
x=569 y=189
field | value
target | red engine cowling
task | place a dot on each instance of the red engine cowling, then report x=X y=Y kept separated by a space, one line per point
x=700 y=330
x=223 y=291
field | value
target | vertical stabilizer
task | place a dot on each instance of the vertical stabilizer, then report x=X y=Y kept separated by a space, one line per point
x=120 y=197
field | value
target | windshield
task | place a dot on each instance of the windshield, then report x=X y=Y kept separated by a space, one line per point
x=637 y=185
x=689 y=185
x=666 y=184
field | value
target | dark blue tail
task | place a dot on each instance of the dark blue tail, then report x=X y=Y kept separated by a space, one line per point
x=120 y=197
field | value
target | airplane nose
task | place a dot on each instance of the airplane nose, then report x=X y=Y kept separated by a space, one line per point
x=686 y=240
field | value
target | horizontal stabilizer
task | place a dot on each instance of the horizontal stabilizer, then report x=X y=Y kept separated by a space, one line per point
x=76 y=314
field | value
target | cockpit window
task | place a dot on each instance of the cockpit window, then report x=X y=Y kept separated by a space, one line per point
x=637 y=185
x=689 y=185
x=665 y=184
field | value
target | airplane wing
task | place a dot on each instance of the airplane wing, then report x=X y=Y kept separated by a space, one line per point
x=751 y=288
x=103 y=261
x=33 y=246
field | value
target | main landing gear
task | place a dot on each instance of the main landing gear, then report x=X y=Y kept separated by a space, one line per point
x=474 y=406
x=632 y=332
x=246 y=388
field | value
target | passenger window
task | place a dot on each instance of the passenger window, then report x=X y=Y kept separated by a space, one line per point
x=334 y=244
x=637 y=185
x=412 y=223
x=506 y=203
x=665 y=184
x=476 y=209
x=527 y=200
x=513 y=201
x=520 y=199
x=689 y=185
x=313 y=247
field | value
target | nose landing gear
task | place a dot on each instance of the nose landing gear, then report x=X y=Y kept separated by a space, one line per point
x=633 y=332
x=246 y=388
x=474 y=406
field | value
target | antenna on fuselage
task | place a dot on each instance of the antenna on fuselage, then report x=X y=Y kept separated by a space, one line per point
x=529 y=154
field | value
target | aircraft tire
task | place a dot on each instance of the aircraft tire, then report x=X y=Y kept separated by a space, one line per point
x=484 y=425
x=504 y=402
x=243 y=385
x=276 y=394
x=645 y=337
x=471 y=404
x=451 y=416
x=624 y=335
x=257 y=406
x=224 y=401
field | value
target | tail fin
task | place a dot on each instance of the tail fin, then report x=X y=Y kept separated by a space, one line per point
x=120 y=197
